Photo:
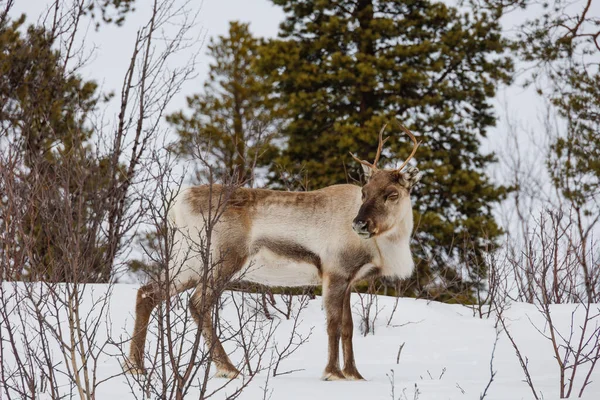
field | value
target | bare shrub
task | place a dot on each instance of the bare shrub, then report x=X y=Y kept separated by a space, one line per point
x=368 y=309
x=281 y=351
x=551 y=260
x=54 y=334
x=551 y=270
x=492 y=372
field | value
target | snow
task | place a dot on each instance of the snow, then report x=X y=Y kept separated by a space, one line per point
x=446 y=354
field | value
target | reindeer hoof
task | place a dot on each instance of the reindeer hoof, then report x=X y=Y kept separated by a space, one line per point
x=129 y=367
x=353 y=375
x=333 y=376
x=227 y=373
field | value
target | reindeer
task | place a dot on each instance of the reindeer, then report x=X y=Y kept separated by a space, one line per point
x=333 y=236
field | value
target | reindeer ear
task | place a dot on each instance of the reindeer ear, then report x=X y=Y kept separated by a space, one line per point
x=409 y=177
x=413 y=175
x=368 y=171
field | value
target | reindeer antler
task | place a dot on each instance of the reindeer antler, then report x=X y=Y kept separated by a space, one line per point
x=416 y=145
x=373 y=166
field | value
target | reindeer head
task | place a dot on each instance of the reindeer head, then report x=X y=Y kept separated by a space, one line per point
x=385 y=196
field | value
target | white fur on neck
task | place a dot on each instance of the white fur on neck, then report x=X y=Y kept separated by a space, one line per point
x=397 y=260
x=394 y=247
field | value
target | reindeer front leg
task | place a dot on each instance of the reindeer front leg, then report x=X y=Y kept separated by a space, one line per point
x=350 y=371
x=334 y=289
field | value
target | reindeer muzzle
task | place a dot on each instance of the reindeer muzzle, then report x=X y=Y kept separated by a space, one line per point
x=362 y=229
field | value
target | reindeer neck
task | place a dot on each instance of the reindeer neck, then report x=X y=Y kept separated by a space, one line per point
x=394 y=251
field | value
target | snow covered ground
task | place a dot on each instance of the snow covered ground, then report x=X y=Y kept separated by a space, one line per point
x=446 y=354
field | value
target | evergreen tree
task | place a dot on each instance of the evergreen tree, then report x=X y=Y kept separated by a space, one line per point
x=235 y=119
x=345 y=68
x=43 y=114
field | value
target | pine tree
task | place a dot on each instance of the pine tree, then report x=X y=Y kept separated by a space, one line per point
x=345 y=68
x=43 y=113
x=235 y=119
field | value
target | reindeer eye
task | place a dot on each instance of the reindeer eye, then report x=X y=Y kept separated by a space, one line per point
x=392 y=196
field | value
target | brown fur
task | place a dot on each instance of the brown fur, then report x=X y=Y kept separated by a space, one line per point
x=353 y=258
x=291 y=250
x=376 y=200
x=335 y=289
x=349 y=371
x=201 y=307
x=248 y=199
x=148 y=297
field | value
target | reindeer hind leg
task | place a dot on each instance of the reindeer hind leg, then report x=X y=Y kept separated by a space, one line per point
x=203 y=302
x=201 y=306
x=148 y=297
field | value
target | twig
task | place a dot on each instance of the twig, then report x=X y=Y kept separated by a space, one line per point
x=399 y=352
